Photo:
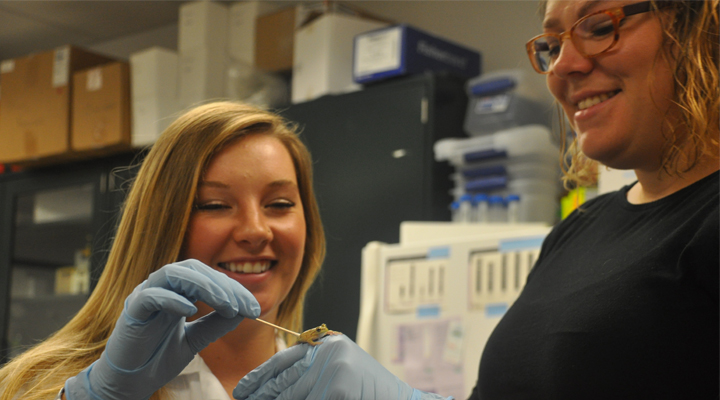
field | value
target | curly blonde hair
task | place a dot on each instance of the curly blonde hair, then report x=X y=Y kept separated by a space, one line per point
x=691 y=48
x=150 y=234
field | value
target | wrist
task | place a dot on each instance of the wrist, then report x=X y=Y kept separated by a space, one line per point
x=420 y=395
x=78 y=387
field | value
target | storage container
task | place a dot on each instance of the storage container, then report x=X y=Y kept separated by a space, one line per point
x=514 y=142
x=322 y=58
x=496 y=103
x=403 y=50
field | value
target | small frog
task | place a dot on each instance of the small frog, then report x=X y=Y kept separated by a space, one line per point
x=311 y=336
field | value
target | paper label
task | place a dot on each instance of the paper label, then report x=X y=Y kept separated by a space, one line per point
x=7 y=66
x=492 y=104
x=94 y=80
x=61 y=67
x=378 y=52
x=453 y=352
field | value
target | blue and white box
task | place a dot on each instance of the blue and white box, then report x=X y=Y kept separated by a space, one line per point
x=403 y=50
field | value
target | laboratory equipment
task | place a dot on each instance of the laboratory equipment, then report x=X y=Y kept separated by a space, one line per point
x=521 y=161
x=497 y=102
x=430 y=302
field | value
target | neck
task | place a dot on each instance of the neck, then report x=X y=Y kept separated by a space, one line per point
x=234 y=355
x=654 y=185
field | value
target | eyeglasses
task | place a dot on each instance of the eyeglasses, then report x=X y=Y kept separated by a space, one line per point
x=592 y=35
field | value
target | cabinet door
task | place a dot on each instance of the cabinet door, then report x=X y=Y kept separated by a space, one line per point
x=53 y=222
x=373 y=168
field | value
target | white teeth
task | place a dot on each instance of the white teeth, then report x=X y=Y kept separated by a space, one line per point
x=591 y=101
x=247 y=267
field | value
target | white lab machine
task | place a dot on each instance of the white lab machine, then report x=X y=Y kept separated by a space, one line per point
x=430 y=302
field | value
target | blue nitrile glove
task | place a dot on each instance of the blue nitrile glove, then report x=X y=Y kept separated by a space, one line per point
x=152 y=343
x=336 y=369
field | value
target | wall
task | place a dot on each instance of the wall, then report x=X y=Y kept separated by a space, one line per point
x=121 y=48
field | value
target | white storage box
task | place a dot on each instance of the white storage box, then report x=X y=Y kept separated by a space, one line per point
x=519 y=141
x=154 y=93
x=496 y=103
x=151 y=116
x=202 y=24
x=202 y=75
x=323 y=56
x=154 y=73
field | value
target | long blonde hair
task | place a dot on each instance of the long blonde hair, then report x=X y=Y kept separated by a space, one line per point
x=691 y=48
x=150 y=234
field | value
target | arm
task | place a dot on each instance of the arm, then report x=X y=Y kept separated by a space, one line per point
x=152 y=342
x=338 y=368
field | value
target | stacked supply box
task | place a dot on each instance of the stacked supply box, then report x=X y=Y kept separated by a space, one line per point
x=403 y=50
x=154 y=93
x=275 y=39
x=496 y=101
x=202 y=46
x=101 y=109
x=242 y=25
x=322 y=59
x=36 y=104
x=520 y=161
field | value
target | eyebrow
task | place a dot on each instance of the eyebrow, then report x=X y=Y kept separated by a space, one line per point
x=213 y=184
x=274 y=184
x=282 y=183
x=582 y=11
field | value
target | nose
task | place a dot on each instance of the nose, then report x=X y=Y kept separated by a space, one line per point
x=252 y=230
x=570 y=61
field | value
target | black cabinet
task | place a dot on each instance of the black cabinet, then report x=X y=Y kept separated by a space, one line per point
x=374 y=167
x=56 y=226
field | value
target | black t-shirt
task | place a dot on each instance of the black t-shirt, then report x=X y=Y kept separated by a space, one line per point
x=621 y=304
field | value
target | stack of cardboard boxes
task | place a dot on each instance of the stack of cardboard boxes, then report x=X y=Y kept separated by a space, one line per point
x=62 y=104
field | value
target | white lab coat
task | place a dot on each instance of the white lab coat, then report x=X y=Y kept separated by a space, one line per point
x=197 y=382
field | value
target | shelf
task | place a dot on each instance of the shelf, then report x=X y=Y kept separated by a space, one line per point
x=34 y=319
x=52 y=243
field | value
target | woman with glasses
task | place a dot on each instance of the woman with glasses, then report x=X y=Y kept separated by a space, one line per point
x=623 y=300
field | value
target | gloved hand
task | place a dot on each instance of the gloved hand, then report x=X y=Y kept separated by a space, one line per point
x=336 y=369
x=152 y=343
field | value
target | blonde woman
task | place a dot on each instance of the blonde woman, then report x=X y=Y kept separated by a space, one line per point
x=623 y=300
x=220 y=226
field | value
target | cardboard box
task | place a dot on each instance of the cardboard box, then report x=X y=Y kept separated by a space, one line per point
x=64 y=277
x=241 y=29
x=35 y=106
x=202 y=24
x=404 y=50
x=322 y=62
x=154 y=93
x=274 y=40
x=101 y=109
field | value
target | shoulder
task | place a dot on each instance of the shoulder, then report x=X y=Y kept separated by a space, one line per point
x=589 y=211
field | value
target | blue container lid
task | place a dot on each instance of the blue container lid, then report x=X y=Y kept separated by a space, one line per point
x=495 y=199
x=493 y=86
x=512 y=197
x=480 y=197
x=454 y=205
x=466 y=197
